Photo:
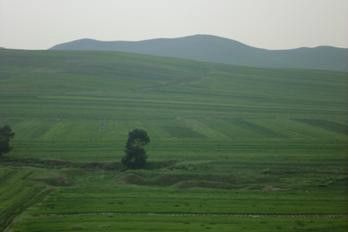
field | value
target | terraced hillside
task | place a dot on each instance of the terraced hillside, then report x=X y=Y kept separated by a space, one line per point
x=232 y=148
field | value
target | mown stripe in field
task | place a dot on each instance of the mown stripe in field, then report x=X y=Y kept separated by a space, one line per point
x=182 y=132
x=263 y=131
x=116 y=108
x=327 y=125
x=198 y=214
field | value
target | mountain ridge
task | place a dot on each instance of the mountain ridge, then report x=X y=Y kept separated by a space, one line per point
x=210 y=48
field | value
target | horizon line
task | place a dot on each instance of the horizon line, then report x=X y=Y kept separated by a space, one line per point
x=177 y=37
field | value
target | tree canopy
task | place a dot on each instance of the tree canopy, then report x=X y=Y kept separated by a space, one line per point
x=135 y=154
x=6 y=134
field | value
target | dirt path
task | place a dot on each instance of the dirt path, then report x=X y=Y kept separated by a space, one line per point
x=18 y=210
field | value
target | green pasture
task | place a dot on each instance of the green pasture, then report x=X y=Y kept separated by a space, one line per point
x=81 y=105
x=179 y=197
x=232 y=148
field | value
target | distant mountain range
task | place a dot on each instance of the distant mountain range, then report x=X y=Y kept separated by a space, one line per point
x=221 y=50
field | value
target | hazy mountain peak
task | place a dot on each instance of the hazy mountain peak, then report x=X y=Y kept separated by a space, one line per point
x=216 y=49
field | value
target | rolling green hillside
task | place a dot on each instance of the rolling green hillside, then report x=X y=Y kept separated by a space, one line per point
x=81 y=105
x=233 y=148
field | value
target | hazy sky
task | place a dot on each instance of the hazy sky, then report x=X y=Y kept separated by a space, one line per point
x=274 y=24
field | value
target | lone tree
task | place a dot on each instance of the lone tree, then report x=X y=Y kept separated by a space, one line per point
x=6 y=134
x=135 y=156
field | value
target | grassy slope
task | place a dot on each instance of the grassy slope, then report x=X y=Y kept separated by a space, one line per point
x=259 y=141
x=102 y=201
x=80 y=105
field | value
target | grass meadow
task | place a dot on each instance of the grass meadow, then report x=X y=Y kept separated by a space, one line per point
x=232 y=148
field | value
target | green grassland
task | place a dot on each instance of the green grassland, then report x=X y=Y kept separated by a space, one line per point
x=233 y=148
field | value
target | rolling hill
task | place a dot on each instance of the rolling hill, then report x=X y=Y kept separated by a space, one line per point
x=221 y=50
x=233 y=148
x=75 y=105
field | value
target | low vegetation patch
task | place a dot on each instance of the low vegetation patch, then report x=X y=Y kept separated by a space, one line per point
x=179 y=180
x=56 y=181
x=203 y=184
